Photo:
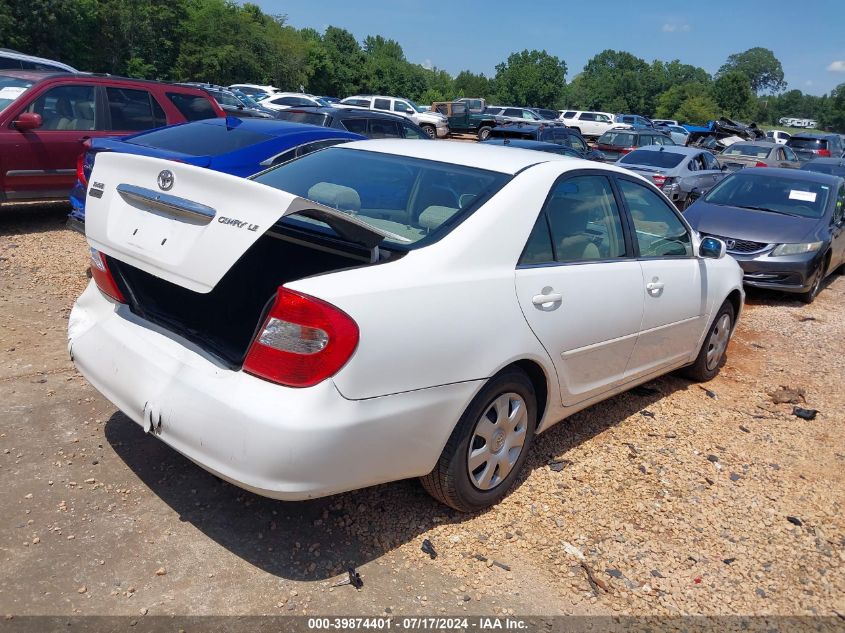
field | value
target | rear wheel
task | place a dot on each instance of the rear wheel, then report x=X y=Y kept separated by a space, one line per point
x=484 y=132
x=430 y=130
x=488 y=446
x=712 y=351
x=577 y=129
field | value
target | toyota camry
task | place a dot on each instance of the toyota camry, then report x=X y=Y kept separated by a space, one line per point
x=387 y=309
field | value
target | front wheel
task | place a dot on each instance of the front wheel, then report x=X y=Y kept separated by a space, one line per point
x=430 y=130
x=484 y=132
x=810 y=296
x=712 y=351
x=488 y=446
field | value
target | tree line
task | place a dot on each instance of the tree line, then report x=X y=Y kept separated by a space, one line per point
x=224 y=42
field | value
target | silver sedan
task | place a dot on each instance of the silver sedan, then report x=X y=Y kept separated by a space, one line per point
x=682 y=173
x=758 y=154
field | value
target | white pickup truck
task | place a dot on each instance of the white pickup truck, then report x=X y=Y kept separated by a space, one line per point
x=589 y=124
x=435 y=124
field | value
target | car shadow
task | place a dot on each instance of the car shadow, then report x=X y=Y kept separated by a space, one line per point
x=319 y=539
x=775 y=298
x=33 y=218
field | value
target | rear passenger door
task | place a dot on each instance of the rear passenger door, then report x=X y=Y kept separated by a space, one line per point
x=673 y=283
x=580 y=286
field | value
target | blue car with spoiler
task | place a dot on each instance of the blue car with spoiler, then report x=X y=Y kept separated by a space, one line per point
x=241 y=147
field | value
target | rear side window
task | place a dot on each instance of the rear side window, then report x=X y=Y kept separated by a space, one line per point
x=199 y=139
x=380 y=128
x=587 y=116
x=617 y=139
x=192 y=107
x=660 y=233
x=381 y=104
x=66 y=108
x=569 y=114
x=133 y=110
x=359 y=126
x=297 y=116
x=357 y=102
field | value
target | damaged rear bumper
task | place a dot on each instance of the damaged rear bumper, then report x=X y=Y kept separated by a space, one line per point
x=275 y=441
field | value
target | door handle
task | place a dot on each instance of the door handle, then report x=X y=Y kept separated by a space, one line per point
x=654 y=286
x=552 y=297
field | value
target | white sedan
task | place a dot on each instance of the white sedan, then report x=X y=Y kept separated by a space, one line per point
x=387 y=309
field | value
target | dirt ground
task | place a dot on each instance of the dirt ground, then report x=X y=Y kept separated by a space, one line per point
x=676 y=499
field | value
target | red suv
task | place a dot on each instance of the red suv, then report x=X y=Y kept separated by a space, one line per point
x=46 y=118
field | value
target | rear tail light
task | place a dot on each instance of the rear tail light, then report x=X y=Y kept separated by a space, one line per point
x=659 y=179
x=760 y=164
x=824 y=152
x=302 y=341
x=103 y=277
x=626 y=150
x=84 y=166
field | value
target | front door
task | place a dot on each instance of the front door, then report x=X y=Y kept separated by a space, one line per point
x=674 y=281
x=44 y=159
x=580 y=288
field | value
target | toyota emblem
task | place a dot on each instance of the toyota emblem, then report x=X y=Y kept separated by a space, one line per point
x=730 y=244
x=165 y=180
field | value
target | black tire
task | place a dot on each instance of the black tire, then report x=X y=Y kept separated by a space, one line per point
x=450 y=482
x=810 y=296
x=430 y=130
x=484 y=132
x=704 y=369
x=577 y=129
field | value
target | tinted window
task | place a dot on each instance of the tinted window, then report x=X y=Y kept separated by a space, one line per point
x=409 y=131
x=381 y=104
x=412 y=198
x=192 y=107
x=538 y=249
x=584 y=220
x=359 y=126
x=807 y=143
x=382 y=128
x=568 y=115
x=66 y=108
x=357 y=102
x=10 y=64
x=512 y=112
x=652 y=158
x=297 y=116
x=660 y=233
x=130 y=109
x=824 y=168
x=587 y=116
x=199 y=139
x=778 y=195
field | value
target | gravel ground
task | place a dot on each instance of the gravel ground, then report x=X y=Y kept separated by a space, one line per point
x=677 y=499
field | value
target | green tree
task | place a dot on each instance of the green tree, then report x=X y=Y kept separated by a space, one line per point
x=760 y=66
x=669 y=102
x=531 y=78
x=468 y=84
x=732 y=92
x=834 y=115
x=616 y=81
x=697 y=109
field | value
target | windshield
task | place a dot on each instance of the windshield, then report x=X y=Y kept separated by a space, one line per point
x=754 y=151
x=416 y=200
x=653 y=158
x=11 y=88
x=791 y=196
x=246 y=99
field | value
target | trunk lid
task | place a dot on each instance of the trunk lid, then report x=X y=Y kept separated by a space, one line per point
x=189 y=225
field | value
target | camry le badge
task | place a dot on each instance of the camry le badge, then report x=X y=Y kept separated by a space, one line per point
x=165 y=180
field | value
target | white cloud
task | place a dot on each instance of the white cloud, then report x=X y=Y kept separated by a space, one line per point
x=671 y=27
x=809 y=82
x=837 y=67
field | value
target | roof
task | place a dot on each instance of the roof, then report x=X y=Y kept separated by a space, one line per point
x=12 y=54
x=506 y=160
x=99 y=78
x=270 y=127
x=672 y=149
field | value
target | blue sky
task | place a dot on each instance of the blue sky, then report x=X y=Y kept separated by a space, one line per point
x=808 y=37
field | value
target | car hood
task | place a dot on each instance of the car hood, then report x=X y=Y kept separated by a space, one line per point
x=748 y=224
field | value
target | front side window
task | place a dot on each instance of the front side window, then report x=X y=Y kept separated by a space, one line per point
x=839 y=209
x=790 y=155
x=710 y=162
x=409 y=131
x=132 y=110
x=575 y=142
x=659 y=231
x=401 y=106
x=192 y=107
x=66 y=108
x=584 y=221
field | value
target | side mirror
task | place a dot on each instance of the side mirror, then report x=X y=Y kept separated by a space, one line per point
x=711 y=248
x=27 y=121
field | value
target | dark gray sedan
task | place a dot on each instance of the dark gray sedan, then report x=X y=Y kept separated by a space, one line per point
x=783 y=226
x=758 y=154
x=683 y=173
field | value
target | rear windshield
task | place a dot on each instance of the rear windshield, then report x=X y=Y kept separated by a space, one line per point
x=835 y=169
x=653 y=158
x=297 y=116
x=192 y=107
x=807 y=143
x=199 y=139
x=11 y=88
x=416 y=200
x=755 y=151
x=618 y=139
x=789 y=196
